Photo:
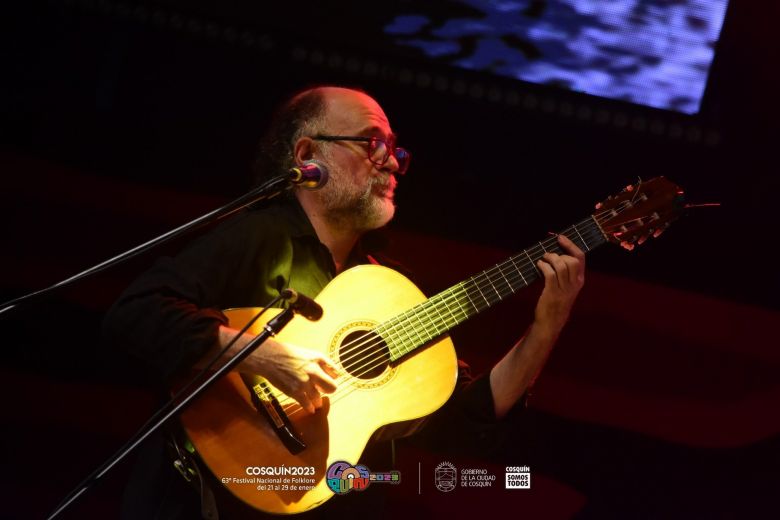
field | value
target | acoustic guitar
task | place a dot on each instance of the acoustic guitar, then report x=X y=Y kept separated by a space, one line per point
x=396 y=362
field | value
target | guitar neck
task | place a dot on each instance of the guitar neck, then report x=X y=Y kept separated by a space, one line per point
x=437 y=315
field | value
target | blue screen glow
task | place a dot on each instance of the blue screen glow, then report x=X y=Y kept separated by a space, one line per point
x=651 y=52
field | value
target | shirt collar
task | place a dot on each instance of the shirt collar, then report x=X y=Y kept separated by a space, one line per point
x=301 y=228
x=297 y=221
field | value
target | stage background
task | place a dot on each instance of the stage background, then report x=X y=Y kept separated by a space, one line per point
x=123 y=120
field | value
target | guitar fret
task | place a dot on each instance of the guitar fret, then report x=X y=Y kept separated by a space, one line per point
x=406 y=326
x=519 y=271
x=532 y=262
x=391 y=345
x=581 y=239
x=397 y=337
x=505 y=278
x=450 y=320
x=423 y=324
x=440 y=313
x=449 y=311
x=454 y=313
x=596 y=228
x=480 y=291
x=494 y=288
x=466 y=292
x=436 y=323
x=457 y=300
x=427 y=321
x=414 y=327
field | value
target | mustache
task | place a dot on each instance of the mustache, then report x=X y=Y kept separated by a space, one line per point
x=387 y=184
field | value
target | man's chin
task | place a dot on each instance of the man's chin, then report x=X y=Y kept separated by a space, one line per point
x=385 y=193
x=383 y=213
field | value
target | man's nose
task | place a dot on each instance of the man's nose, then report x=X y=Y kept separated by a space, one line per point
x=391 y=165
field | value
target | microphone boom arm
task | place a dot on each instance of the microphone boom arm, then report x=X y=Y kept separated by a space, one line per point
x=265 y=191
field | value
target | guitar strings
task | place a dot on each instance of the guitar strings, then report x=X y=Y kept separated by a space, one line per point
x=450 y=293
x=292 y=407
x=463 y=288
x=460 y=294
x=457 y=293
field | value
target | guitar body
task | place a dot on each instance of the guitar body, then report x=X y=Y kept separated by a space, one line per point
x=230 y=435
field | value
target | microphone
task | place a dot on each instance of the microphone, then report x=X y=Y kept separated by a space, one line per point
x=302 y=304
x=311 y=175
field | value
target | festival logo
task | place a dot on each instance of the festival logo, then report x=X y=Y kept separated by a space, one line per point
x=446 y=477
x=343 y=477
x=518 y=477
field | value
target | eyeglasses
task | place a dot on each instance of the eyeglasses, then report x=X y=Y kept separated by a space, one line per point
x=379 y=150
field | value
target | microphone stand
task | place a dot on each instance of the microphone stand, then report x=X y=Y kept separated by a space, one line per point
x=265 y=191
x=270 y=329
x=311 y=175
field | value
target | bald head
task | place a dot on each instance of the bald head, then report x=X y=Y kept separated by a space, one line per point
x=306 y=113
x=349 y=111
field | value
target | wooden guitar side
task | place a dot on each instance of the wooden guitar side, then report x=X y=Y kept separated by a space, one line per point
x=230 y=435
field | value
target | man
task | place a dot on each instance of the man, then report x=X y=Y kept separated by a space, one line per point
x=302 y=243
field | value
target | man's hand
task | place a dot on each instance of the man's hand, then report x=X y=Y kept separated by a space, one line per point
x=300 y=373
x=564 y=276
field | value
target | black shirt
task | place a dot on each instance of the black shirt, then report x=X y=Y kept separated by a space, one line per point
x=170 y=316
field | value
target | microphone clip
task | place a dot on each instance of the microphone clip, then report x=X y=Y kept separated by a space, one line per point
x=302 y=304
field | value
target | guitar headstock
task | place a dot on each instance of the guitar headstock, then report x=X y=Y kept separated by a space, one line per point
x=640 y=211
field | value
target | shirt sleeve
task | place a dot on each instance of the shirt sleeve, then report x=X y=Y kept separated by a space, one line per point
x=467 y=423
x=156 y=322
x=170 y=316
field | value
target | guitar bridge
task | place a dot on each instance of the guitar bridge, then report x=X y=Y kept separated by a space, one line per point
x=268 y=405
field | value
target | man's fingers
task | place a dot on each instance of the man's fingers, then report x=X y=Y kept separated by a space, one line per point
x=319 y=381
x=548 y=272
x=567 y=270
x=576 y=275
x=570 y=247
x=575 y=261
x=315 y=397
x=304 y=400
x=559 y=264
x=328 y=366
x=559 y=267
x=318 y=375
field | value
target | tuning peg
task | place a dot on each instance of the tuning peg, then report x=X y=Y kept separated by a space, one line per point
x=630 y=187
x=599 y=205
x=642 y=240
x=628 y=246
x=657 y=232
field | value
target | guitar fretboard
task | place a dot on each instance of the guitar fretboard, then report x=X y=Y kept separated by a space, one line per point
x=430 y=319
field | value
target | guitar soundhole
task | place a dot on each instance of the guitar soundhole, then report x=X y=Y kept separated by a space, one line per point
x=364 y=354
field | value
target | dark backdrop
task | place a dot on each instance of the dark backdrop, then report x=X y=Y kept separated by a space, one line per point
x=122 y=120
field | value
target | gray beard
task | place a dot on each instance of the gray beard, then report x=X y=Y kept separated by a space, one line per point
x=360 y=213
x=347 y=209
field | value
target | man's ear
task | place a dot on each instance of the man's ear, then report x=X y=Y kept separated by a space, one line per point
x=303 y=150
